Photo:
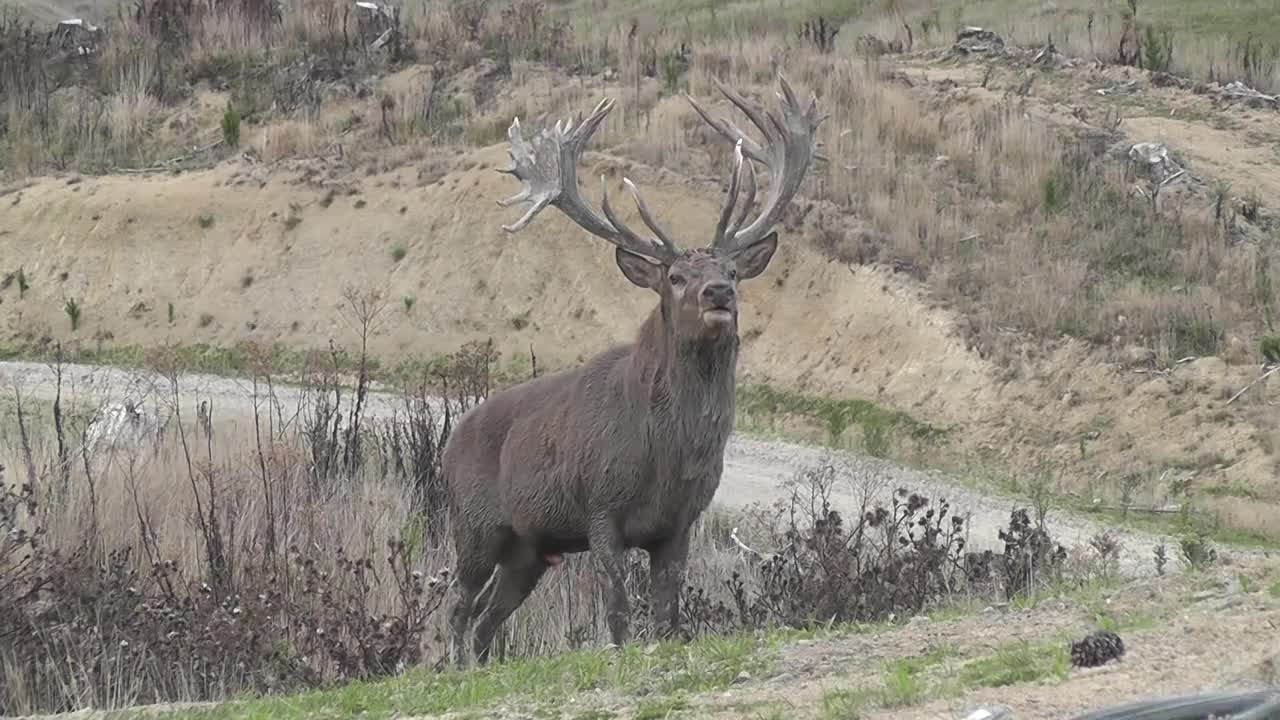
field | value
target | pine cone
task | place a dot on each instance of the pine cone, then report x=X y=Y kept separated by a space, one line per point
x=1098 y=648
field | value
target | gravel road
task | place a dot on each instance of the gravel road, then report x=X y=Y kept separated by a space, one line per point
x=755 y=470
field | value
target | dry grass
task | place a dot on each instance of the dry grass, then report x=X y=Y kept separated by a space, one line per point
x=201 y=556
x=158 y=497
x=1222 y=42
x=1022 y=226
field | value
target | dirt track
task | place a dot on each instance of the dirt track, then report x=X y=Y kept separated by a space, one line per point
x=755 y=470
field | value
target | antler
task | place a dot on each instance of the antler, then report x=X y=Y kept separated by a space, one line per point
x=790 y=143
x=547 y=170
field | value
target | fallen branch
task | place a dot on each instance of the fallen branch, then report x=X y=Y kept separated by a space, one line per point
x=1172 y=177
x=1245 y=389
x=1153 y=510
x=164 y=165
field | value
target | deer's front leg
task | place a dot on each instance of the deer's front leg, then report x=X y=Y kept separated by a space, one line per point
x=605 y=541
x=667 y=564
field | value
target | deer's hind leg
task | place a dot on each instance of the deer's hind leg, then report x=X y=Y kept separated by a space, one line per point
x=517 y=576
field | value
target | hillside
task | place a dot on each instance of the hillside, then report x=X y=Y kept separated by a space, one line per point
x=261 y=245
x=1024 y=268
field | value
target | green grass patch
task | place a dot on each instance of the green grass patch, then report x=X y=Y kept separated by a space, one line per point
x=846 y=704
x=905 y=683
x=661 y=674
x=1134 y=620
x=942 y=673
x=707 y=18
x=239 y=361
x=766 y=404
x=1017 y=663
x=661 y=708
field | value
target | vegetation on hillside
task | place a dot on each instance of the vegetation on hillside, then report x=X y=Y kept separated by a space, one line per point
x=190 y=557
x=1022 y=226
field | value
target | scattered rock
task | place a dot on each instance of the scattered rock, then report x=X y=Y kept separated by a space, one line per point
x=1098 y=648
x=743 y=677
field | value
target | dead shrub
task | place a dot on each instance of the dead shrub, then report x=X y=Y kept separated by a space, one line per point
x=127 y=603
x=889 y=561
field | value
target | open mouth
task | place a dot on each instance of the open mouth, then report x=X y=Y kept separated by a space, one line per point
x=717 y=316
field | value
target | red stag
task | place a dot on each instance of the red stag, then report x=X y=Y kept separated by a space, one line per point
x=626 y=450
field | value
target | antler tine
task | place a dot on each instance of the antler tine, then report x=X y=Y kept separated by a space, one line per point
x=547 y=170
x=649 y=220
x=790 y=135
x=730 y=198
x=725 y=127
x=750 y=201
x=662 y=249
x=753 y=113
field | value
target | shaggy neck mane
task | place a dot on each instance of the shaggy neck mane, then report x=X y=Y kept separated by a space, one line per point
x=693 y=380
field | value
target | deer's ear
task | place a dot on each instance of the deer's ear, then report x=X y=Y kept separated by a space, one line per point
x=639 y=270
x=754 y=258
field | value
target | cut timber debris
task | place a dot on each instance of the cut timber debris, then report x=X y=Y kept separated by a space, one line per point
x=1124 y=87
x=74 y=37
x=377 y=23
x=1238 y=92
x=1154 y=162
x=1268 y=372
x=978 y=40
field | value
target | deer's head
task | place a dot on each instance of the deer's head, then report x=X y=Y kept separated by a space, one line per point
x=698 y=288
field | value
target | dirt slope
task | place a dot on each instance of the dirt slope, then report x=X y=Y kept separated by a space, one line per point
x=248 y=250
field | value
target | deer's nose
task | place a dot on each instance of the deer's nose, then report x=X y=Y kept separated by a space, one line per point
x=718 y=293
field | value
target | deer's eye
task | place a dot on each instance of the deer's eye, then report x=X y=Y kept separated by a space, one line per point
x=677 y=279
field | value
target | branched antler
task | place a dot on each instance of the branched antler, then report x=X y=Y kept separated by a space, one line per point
x=790 y=144
x=547 y=170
